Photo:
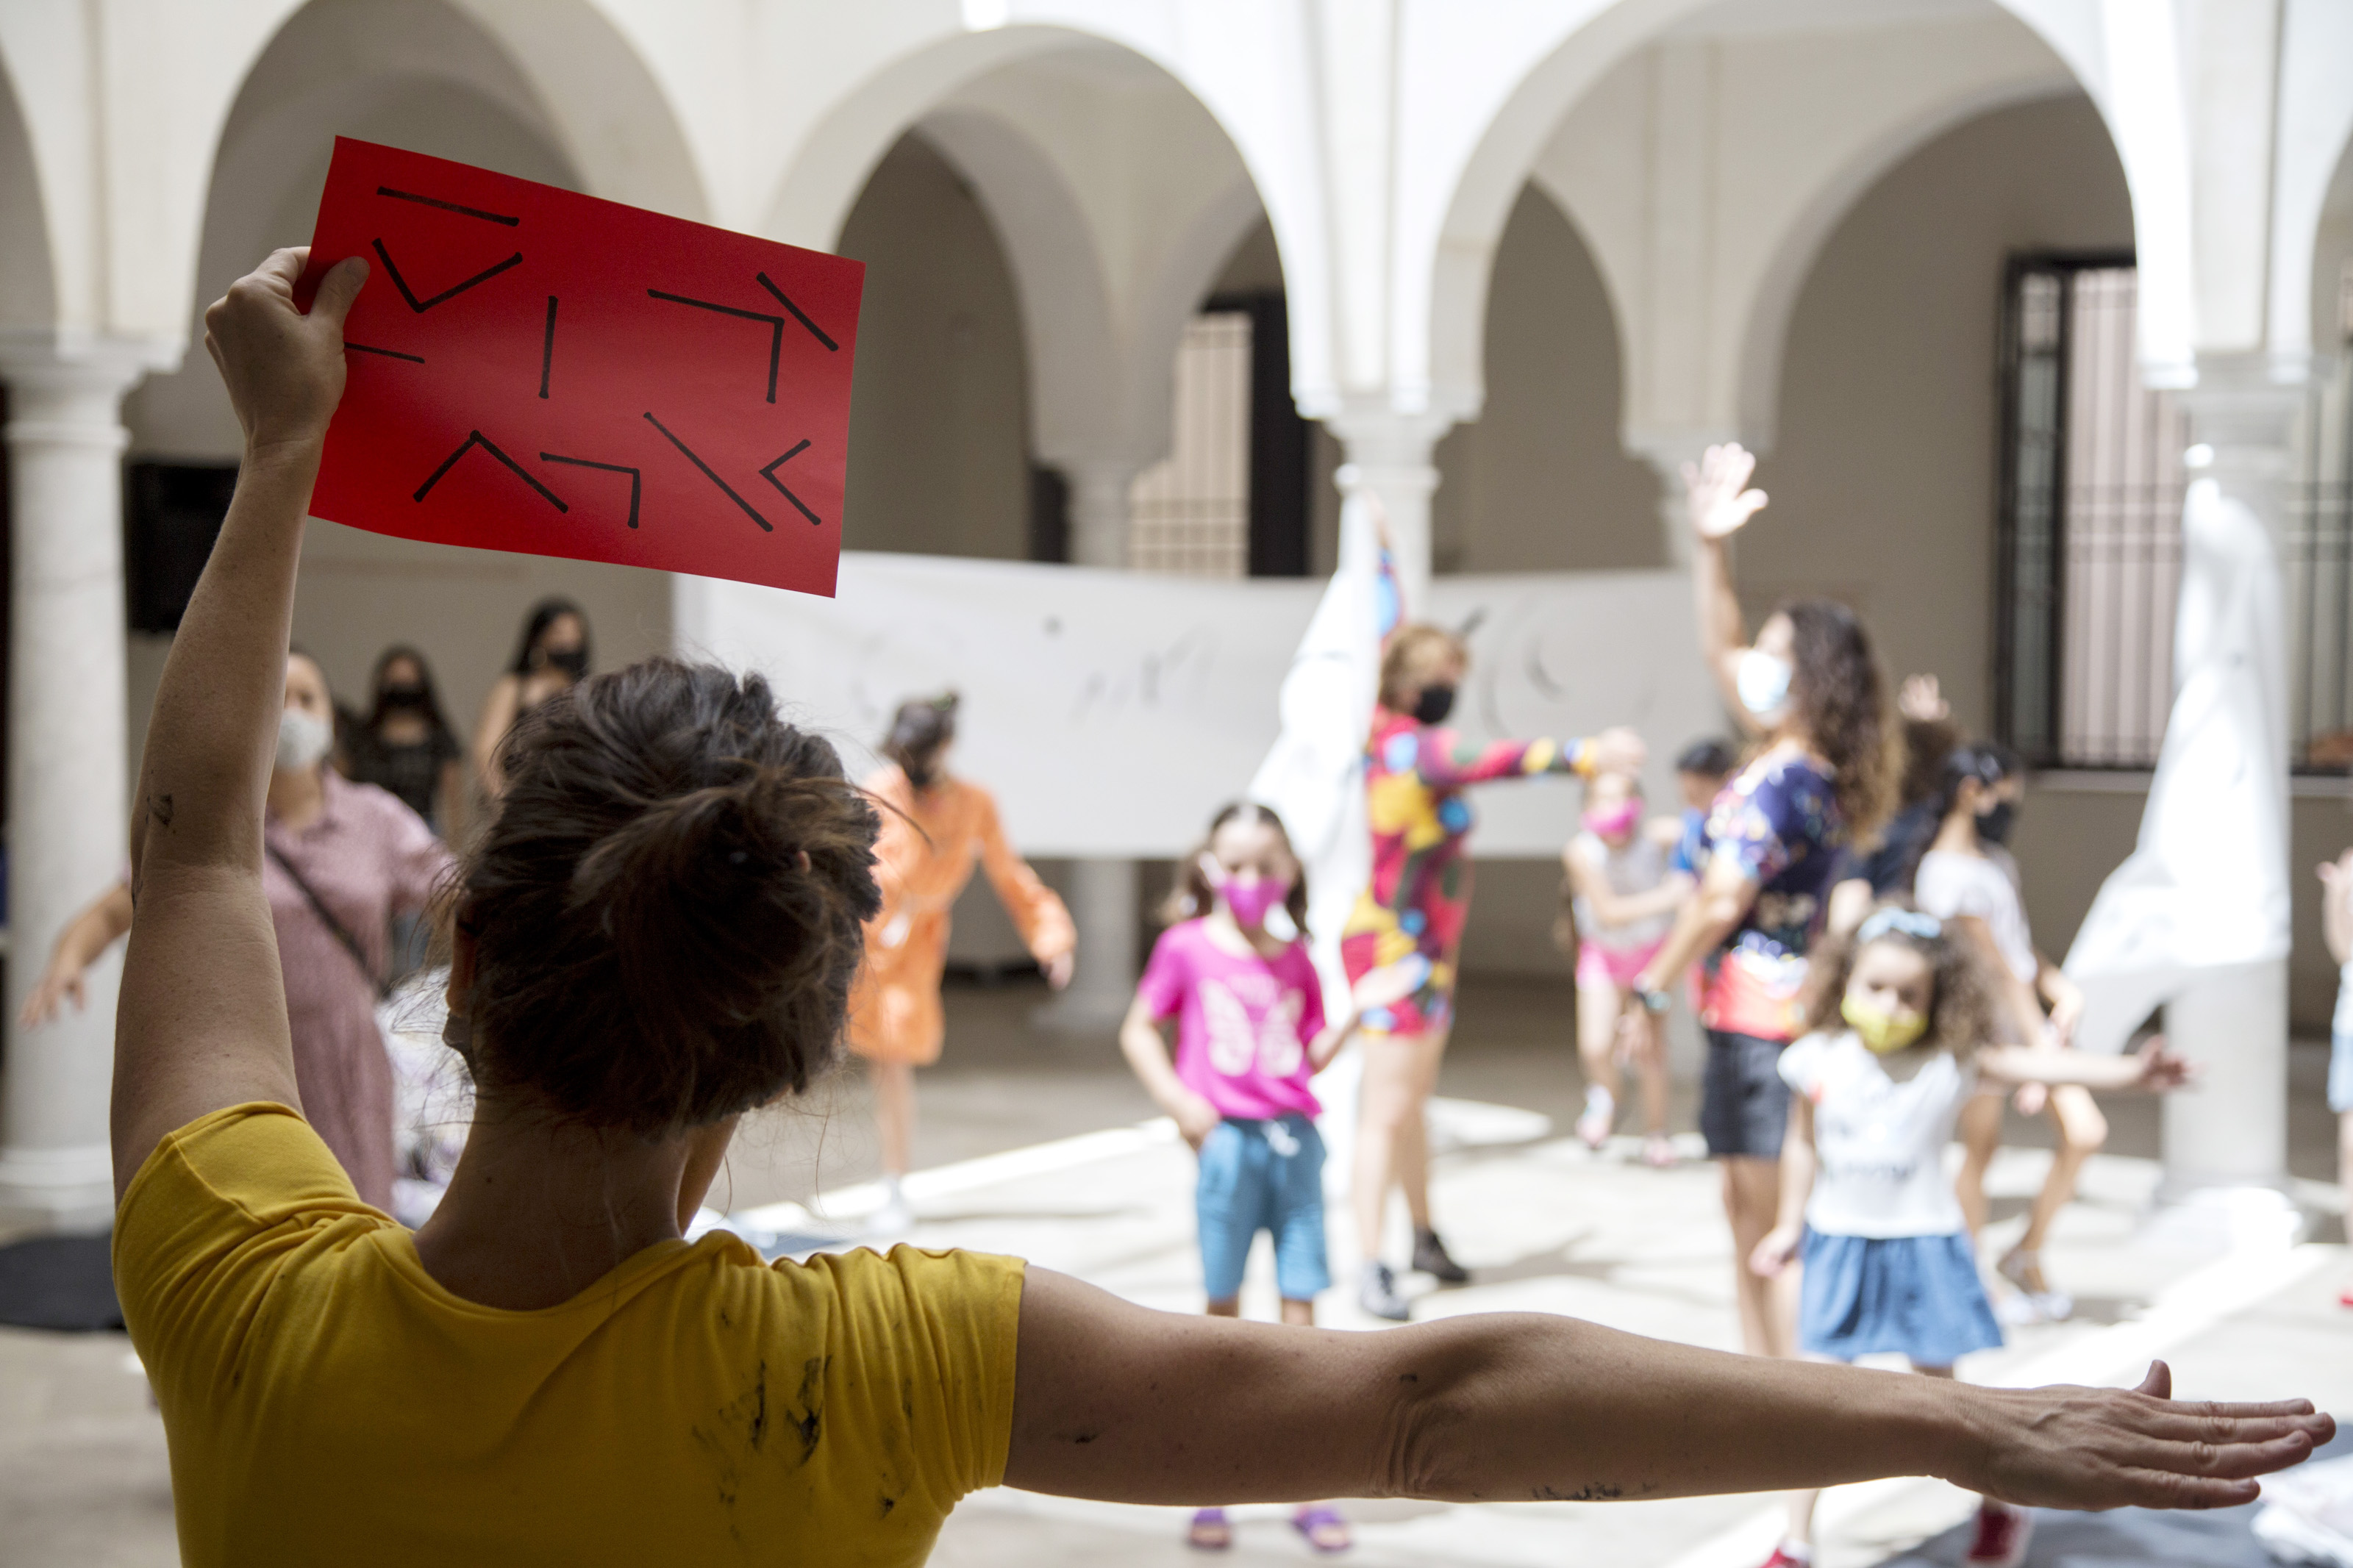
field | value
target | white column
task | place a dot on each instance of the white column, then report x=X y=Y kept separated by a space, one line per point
x=2230 y=1133
x=66 y=789
x=1099 y=513
x=1103 y=892
x=1391 y=455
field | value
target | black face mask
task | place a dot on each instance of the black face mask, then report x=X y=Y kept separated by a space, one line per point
x=1434 y=704
x=406 y=697
x=1994 y=822
x=573 y=661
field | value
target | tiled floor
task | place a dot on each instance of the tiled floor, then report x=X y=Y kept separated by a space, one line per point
x=1547 y=1227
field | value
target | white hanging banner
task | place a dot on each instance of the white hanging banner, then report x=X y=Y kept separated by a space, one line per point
x=1113 y=712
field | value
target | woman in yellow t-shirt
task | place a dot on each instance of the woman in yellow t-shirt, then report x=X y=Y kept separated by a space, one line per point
x=655 y=933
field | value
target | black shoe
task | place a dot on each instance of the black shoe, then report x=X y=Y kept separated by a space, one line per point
x=1430 y=1258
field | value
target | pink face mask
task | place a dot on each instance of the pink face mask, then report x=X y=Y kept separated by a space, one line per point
x=1616 y=822
x=1251 y=902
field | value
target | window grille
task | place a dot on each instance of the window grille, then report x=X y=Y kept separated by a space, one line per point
x=2090 y=523
x=2320 y=569
x=1190 y=513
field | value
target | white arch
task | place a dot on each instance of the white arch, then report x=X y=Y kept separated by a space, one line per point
x=2315 y=143
x=1773 y=299
x=28 y=276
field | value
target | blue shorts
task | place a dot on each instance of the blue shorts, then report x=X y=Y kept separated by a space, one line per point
x=1263 y=1175
x=1917 y=1295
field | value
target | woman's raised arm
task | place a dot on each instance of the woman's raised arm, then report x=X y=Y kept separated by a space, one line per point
x=202 y=1023
x=1117 y=1402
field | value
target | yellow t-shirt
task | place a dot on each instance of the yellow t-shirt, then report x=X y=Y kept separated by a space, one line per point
x=327 y=1402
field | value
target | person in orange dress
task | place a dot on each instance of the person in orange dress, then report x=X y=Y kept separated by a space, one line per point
x=934 y=827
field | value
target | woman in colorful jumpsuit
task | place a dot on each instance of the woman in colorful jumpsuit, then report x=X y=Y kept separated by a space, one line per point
x=934 y=828
x=1401 y=944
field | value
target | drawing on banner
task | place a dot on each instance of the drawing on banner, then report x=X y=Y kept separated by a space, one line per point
x=569 y=348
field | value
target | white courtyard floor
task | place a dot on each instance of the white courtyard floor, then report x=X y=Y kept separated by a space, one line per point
x=1047 y=1150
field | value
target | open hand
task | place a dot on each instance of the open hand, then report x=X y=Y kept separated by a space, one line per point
x=59 y=984
x=1617 y=749
x=1922 y=700
x=2109 y=1447
x=2161 y=1070
x=284 y=370
x=1714 y=490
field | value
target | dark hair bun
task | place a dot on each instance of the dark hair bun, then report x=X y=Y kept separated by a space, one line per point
x=668 y=911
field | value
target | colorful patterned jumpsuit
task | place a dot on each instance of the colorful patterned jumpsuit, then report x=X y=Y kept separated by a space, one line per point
x=1410 y=919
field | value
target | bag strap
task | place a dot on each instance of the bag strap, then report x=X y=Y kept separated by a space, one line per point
x=335 y=928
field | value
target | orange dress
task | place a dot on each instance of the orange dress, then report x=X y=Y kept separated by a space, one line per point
x=894 y=1010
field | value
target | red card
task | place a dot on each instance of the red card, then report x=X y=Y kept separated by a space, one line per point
x=537 y=371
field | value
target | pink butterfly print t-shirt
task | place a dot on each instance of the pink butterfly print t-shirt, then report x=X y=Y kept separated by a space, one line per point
x=1243 y=1022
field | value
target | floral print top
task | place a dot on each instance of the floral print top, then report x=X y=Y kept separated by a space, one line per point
x=1779 y=820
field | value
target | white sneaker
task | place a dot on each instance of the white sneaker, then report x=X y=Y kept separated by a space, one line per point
x=896 y=1216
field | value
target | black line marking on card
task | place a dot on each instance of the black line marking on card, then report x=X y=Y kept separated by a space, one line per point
x=421 y=306
x=799 y=315
x=476 y=438
x=765 y=524
x=769 y=474
x=446 y=206
x=388 y=353
x=547 y=348
x=635 y=478
x=776 y=327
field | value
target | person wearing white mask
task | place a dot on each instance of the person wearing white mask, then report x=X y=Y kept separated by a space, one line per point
x=340 y=859
x=1810 y=692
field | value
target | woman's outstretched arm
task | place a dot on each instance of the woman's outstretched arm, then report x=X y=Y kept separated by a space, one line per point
x=203 y=1016
x=1118 y=1402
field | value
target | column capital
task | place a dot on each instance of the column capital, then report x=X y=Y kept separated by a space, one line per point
x=69 y=360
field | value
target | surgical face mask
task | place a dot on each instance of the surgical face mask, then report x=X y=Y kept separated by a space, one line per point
x=1434 y=704
x=1763 y=682
x=1251 y=902
x=1994 y=822
x=302 y=739
x=1886 y=1033
x=1616 y=822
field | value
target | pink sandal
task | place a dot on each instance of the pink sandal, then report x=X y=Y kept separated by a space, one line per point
x=1325 y=1532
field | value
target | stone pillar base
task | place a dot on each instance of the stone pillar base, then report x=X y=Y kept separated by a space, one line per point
x=66 y=1190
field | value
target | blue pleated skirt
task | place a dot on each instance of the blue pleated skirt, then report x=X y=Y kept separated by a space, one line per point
x=1917 y=1295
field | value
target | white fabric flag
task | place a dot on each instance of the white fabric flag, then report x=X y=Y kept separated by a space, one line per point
x=1313 y=776
x=2207 y=884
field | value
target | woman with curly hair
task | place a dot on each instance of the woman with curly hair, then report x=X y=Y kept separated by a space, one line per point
x=1823 y=775
x=1898 y=1028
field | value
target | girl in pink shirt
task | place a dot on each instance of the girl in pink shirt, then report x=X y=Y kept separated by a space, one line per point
x=1251 y=1032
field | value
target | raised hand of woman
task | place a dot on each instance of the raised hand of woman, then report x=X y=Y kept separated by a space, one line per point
x=2109 y=1447
x=1716 y=491
x=283 y=369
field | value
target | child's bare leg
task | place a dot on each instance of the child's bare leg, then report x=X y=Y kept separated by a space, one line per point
x=1231 y=1307
x=1752 y=1202
x=894 y=1114
x=1598 y=1004
x=1650 y=1064
x=1299 y=1314
x=1981 y=1139
x=1801 y=1528
x=2082 y=1130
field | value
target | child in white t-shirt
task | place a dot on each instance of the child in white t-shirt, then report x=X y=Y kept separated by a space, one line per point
x=1897 y=1021
x=1968 y=879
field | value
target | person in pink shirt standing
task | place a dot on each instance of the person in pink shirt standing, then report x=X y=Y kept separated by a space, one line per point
x=1251 y=1032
